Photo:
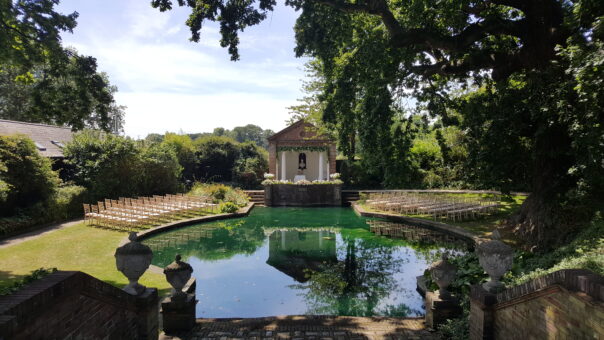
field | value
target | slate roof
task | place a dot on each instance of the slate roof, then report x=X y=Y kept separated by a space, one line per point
x=43 y=135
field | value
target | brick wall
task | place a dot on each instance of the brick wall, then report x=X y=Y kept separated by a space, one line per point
x=554 y=313
x=66 y=305
x=567 y=304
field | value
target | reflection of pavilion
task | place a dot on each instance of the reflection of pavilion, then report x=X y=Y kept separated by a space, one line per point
x=292 y=252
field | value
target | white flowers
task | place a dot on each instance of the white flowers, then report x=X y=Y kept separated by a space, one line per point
x=335 y=175
x=268 y=176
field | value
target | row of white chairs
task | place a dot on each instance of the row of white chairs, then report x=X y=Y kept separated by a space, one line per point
x=437 y=206
x=133 y=213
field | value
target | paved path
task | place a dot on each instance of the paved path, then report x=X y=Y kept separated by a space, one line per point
x=308 y=327
x=37 y=233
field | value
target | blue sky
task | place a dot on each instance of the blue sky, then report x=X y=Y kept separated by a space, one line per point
x=171 y=84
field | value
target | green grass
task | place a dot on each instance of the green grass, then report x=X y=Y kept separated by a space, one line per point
x=484 y=225
x=80 y=247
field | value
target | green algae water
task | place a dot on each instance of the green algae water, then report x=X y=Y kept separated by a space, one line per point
x=293 y=261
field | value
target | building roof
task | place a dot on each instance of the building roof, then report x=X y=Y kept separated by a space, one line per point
x=48 y=138
x=299 y=126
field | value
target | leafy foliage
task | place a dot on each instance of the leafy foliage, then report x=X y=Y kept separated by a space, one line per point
x=228 y=207
x=220 y=193
x=522 y=80
x=40 y=80
x=111 y=166
x=33 y=276
x=27 y=176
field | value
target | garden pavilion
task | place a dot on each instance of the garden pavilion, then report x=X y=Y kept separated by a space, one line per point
x=299 y=152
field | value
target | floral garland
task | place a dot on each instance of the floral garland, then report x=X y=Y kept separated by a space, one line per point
x=302 y=149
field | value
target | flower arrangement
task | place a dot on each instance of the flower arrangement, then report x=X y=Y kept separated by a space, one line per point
x=335 y=175
x=302 y=182
x=269 y=176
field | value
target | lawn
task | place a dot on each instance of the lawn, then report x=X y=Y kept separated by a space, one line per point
x=79 y=247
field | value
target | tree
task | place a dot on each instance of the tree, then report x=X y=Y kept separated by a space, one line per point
x=251 y=133
x=108 y=165
x=160 y=170
x=30 y=32
x=62 y=93
x=250 y=166
x=185 y=152
x=541 y=56
x=26 y=177
x=41 y=81
x=216 y=158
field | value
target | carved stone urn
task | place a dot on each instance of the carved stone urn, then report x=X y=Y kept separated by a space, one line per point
x=496 y=259
x=443 y=273
x=178 y=274
x=133 y=259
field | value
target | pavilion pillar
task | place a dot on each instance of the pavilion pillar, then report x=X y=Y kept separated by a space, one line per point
x=283 y=165
x=321 y=161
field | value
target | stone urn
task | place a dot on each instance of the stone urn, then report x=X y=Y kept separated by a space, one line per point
x=496 y=259
x=133 y=259
x=178 y=274
x=443 y=273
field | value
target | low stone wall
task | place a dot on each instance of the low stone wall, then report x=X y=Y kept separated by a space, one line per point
x=303 y=195
x=75 y=305
x=432 y=225
x=567 y=304
x=183 y=223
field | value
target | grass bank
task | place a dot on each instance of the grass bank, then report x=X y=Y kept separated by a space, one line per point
x=79 y=247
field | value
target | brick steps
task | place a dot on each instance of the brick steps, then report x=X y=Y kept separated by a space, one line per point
x=256 y=196
x=349 y=196
x=311 y=327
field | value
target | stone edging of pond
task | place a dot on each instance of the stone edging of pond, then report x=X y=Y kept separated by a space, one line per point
x=437 y=226
x=183 y=223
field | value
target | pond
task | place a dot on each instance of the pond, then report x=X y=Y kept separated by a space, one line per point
x=293 y=261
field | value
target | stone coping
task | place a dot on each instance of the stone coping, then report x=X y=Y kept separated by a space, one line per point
x=438 y=191
x=432 y=225
x=26 y=303
x=183 y=223
x=577 y=280
x=583 y=281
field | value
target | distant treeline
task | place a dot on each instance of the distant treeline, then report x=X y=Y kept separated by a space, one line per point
x=241 y=134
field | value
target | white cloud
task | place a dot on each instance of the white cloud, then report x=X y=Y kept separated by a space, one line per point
x=161 y=112
x=169 y=83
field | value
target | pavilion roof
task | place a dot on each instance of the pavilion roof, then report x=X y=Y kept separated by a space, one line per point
x=301 y=124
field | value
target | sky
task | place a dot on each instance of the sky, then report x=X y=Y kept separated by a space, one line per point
x=169 y=83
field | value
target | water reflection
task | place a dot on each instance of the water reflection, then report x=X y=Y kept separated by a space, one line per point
x=295 y=253
x=302 y=261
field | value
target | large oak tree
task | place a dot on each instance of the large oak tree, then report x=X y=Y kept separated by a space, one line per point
x=531 y=72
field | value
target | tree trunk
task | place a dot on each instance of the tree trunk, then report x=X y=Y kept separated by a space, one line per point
x=543 y=222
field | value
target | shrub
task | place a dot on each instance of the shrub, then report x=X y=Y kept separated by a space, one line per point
x=250 y=166
x=228 y=207
x=67 y=202
x=219 y=193
x=216 y=158
x=108 y=165
x=160 y=170
x=26 y=177
x=185 y=152
x=237 y=197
